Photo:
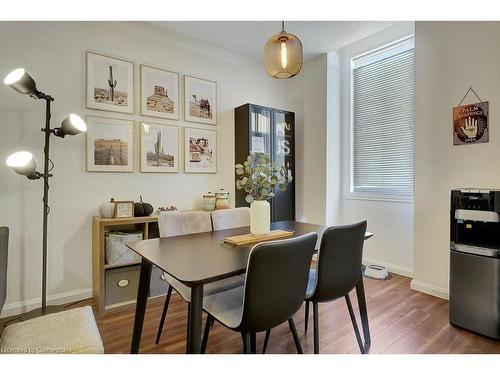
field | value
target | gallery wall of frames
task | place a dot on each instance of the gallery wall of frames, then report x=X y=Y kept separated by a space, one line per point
x=110 y=141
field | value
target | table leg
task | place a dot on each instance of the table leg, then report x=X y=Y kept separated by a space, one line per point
x=360 y=293
x=140 y=307
x=194 y=319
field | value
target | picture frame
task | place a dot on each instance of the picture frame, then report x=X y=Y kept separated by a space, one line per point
x=110 y=83
x=200 y=150
x=200 y=100
x=160 y=91
x=124 y=209
x=110 y=145
x=159 y=148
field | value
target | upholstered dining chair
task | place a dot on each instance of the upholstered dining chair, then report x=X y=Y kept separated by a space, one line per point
x=231 y=218
x=337 y=272
x=183 y=223
x=72 y=331
x=275 y=286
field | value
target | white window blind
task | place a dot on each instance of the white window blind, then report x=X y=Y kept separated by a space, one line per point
x=383 y=115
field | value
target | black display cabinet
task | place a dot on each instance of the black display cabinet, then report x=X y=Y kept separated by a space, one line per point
x=271 y=131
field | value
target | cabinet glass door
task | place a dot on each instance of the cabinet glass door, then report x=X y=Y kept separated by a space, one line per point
x=260 y=130
x=283 y=155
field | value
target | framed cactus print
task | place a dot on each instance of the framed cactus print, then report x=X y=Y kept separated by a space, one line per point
x=159 y=93
x=200 y=100
x=159 y=148
x=110 y=83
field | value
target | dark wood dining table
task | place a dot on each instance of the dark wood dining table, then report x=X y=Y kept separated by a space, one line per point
x=202 y=258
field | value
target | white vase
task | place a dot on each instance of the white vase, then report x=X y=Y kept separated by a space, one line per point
x=260 y=218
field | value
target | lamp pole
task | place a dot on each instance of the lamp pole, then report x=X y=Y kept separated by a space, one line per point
x=46 y=208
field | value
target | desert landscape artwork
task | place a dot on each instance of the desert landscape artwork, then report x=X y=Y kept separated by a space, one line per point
x=159 y=93
x=159 y=148
x=109 y=145
x=200 y=100
x=200 y=148
x=109 y=83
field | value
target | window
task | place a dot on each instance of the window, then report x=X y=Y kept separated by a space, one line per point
x=383 y=115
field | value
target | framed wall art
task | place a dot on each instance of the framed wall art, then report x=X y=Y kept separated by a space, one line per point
x=200 y=100
x=470 y=124
x=159 y=93
x=159 y=148
x=110 y=145
x=200 y=150
x=110 y=83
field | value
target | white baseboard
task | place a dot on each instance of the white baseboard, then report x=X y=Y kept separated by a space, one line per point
x=394 y=268
x=16 y=308
x=433 y=290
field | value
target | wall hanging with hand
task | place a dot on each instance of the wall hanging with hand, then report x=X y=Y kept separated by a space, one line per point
x=470 y=121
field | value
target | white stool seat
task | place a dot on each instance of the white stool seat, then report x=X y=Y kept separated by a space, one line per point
x=68 y=332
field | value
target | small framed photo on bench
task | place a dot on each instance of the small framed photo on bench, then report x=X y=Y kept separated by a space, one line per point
x=124 y=209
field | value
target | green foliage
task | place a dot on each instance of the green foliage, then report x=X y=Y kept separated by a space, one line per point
x=259 y=177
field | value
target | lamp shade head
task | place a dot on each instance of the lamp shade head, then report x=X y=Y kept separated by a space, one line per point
x=20 y=81
x=73 y=125
x=283 y=55
x=22 y=162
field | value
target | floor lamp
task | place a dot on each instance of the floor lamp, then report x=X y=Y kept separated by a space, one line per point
x=23 y=163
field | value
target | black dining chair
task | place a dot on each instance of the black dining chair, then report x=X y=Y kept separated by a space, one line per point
x=337 y=273
x=274 y=290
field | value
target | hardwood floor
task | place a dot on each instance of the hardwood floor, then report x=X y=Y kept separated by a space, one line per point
x=401 y=321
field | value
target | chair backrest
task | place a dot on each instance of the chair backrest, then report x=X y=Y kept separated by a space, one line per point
x=4 y=247
x=231 y=218
x=339 y=261
x=184 y=222
x=276 y=281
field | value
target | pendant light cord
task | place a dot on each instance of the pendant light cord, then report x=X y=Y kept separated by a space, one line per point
x=282 y=25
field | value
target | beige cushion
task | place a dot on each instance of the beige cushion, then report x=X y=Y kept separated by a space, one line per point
x=68 y=332
x=184 y=222
x=231 y=218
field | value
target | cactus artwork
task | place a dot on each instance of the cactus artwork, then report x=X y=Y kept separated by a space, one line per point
x=157 y=149
x=112 y=84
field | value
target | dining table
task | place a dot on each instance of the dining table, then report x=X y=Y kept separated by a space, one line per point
x=198 y=259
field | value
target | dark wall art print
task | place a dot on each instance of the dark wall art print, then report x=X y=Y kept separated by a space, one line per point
x=470 y=124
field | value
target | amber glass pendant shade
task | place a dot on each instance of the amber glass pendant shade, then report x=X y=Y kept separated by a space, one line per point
x=283 y=55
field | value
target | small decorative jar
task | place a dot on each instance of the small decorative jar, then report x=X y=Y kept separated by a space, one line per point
x=222 y=200
x=209 y=201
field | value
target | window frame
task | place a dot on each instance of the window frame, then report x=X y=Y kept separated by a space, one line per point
x=349 y=192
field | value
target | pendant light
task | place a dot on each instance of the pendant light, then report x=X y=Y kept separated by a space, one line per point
x=283 y=55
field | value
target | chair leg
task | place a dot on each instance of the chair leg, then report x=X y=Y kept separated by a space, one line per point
x=296 y=339
x=266 y=340
x=306 y=320
x=253 y=343
x=246 y=342
x=209 y=323
x=354 y=324
x=316 y=327
x=164 y=314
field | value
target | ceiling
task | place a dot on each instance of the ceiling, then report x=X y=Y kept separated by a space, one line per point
x=249 y=37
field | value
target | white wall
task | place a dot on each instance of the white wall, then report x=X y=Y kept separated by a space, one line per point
x=307 y=95
x=390 y=220
x=450 y=56
x=54 y=54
